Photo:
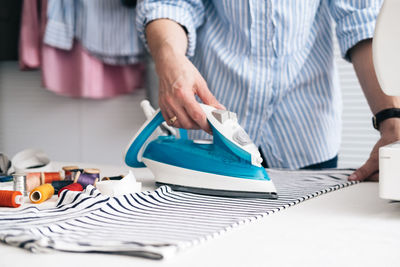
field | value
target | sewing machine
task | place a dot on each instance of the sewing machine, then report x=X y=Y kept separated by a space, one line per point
x=386 y=56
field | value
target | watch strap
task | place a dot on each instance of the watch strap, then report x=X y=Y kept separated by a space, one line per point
x=383 y=115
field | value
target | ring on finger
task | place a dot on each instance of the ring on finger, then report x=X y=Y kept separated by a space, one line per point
x=172 y=120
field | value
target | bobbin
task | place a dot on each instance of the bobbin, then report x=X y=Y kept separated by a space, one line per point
x=90 y=172
x=19 y=183
x=12 y=199
x=69 y=172
x=33 y=180
x=44 y=179
x=41 y=193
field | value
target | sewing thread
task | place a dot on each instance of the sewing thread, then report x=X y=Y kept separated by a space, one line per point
x=60 y=184
x=7 y=178
x=89 y=176
x=69 y=172
x=33 y=180
x=41 y=193
x=12 y=199
x=19 y=183
x=71 y=187
x=48 y=177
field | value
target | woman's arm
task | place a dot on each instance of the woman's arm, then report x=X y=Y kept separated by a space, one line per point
x=179 y=79
x=361 y=56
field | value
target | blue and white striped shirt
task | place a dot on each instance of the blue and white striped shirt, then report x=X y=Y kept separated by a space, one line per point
x=105 y=28
x=272 y=63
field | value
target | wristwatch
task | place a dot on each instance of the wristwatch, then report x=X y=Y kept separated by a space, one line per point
x=383 y=115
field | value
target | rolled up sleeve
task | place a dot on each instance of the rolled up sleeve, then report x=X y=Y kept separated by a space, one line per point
x=355 y=21
x=60 y=24
x=189 y=14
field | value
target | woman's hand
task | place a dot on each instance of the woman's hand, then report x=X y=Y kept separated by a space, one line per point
x=180 y=81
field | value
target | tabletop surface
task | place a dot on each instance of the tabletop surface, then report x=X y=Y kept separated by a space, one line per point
x=351 y=226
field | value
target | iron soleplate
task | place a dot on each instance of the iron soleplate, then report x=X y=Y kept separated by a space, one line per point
x=221 y=193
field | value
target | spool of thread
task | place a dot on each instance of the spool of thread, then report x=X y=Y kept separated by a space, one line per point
x=69 y=172
x=72 y=187
x=33 y=180
x=113 y=178
x=89 y=176
x=41 y=193
x=48 y=177
x=19 y=183
x=12 y=199
x=7 y=178
x=60 y=184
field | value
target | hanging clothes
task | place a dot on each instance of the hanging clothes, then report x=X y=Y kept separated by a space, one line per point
x=74 y=72
x=105 y=28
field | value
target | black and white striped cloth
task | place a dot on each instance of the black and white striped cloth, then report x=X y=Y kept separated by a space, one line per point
x=152 y=224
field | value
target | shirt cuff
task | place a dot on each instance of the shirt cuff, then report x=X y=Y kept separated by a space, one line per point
x=354 y=28
x=177 y=14
x=58 y=35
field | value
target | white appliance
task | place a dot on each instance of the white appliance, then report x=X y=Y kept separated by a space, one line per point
x=386 y=56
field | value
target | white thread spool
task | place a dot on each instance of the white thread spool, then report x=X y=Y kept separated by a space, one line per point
x=19 y=183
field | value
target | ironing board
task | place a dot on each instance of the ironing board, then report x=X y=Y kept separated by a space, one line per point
x=349 y=226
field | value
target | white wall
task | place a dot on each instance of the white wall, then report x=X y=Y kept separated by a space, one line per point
x=67 y=129
x=98 y=131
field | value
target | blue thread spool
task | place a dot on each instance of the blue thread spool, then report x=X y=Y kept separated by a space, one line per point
x=88 y=176
x=60 y=184
x=8 y=178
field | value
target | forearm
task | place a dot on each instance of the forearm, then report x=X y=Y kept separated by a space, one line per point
x=166 y=36
x=361 y=56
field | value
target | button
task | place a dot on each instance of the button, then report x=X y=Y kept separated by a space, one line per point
x=220 y=115
x=242 y=137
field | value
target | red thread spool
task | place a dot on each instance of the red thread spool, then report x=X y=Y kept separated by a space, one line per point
x=49 y=177
x=72 y=187
x=11 y=199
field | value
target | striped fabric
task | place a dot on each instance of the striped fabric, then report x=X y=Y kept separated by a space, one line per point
x=105 y=28
x=153 y=224
x=272 y=63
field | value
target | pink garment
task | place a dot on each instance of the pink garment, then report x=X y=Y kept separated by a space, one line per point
x=31 y=34
x=73 y=73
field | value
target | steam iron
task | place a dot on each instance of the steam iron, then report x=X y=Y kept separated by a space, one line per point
x=228 y=165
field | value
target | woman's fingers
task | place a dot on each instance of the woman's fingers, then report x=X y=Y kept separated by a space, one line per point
x=180 y=82
x=196 y=113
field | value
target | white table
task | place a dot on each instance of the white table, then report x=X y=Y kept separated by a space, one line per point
x=349 y=227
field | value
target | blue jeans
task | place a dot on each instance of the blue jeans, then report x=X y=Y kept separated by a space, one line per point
x=329 y=164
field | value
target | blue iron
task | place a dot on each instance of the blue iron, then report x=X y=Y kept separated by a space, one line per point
x=228 y=165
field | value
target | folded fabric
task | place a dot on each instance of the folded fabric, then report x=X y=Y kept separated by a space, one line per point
x=153 y=224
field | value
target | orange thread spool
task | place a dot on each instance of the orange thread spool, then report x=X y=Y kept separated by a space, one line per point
x=48 y=177
x=33 y=180
x=11 y=199
x=41 y=193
